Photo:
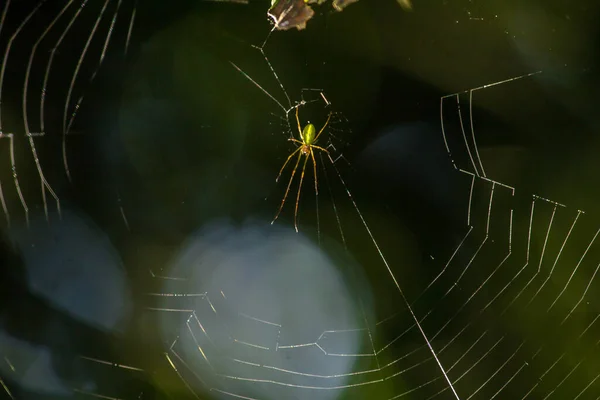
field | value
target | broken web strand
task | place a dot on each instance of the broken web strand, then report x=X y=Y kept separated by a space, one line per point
x=44 y=91
x=67 y=125
x=79 y=6
x=44 y=183
x=10 y=136
x=537 y=270
x=102 y=55
x=363 y=221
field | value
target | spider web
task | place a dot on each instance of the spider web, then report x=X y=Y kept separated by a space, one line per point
x=53 y=55
x=359 y=369
x=260 y=312
x=46 y=71
x=519 y=259
x=539 y=274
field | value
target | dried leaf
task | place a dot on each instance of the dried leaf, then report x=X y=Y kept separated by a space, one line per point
x=288 y=14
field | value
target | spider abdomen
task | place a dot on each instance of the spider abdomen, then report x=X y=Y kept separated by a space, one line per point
x=308 y=134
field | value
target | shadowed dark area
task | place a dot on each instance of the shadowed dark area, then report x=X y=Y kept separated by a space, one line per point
x=451 y=251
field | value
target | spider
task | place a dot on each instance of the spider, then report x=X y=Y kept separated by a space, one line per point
x=305 y=147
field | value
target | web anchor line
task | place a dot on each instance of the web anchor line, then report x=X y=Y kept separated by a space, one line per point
x=286 y=111
x=404 y=299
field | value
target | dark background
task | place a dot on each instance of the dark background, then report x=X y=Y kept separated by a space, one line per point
x=172 y=137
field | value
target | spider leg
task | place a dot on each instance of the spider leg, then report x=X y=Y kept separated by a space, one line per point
x=299 y=191
x=285 y=163
x=295 y=141
x=320 y=148
x=312 y=155
x=324 y=126
x=298 y=121
x=287 y=190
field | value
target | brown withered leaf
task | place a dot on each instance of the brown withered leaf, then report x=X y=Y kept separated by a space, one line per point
x=288 y=14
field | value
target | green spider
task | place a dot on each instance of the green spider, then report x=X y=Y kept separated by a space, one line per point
x=305 y=148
